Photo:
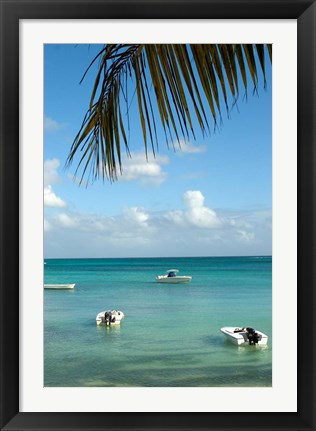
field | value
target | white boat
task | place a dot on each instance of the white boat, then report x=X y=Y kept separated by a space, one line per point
x=172 y=277
x=109 y=317
x=244 y=335
x=59 y=286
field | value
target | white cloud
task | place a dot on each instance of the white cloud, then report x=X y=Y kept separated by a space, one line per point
x=136 y=214
x=196 y=213
x=203 y=217
x=65 y=221
x=51 y=125
x=245 y=236
x=147 y=171
x=51 y=176
x=188 y=148
x=51 y=200
x=50 y=171
x=47 y=226
x=176 y=217
x=193 y=199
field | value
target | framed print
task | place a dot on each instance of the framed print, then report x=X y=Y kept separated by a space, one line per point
x=146 y=388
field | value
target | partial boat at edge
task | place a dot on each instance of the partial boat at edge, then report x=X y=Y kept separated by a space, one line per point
x=59 y=286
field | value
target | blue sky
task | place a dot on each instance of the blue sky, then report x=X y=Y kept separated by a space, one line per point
x=211 y=198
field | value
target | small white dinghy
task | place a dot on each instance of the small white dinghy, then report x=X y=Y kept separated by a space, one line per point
x=109 y=317
x=244 y=335
x=172 y=277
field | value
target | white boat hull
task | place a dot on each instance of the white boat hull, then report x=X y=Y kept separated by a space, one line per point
x=241 y=337
x=100 y=319
x=171 y=277
x=173 y=280
x=59 y=286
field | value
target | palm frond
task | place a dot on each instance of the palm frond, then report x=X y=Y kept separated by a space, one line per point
x=178 y=86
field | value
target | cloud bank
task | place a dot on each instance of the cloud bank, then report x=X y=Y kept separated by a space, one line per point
x=193 y=231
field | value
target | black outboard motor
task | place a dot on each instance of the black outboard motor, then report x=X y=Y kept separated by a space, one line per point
x=253 y=336
x=107 y=318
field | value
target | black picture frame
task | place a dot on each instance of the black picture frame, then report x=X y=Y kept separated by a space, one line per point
x=304 y=11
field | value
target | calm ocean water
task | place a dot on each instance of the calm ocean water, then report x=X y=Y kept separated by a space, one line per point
x=171 y=333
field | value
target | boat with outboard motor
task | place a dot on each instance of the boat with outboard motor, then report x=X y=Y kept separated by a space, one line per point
x=109 y=317
x=244 y=335
x=172 y=277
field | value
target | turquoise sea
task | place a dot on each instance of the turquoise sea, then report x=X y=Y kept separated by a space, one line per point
x=171 y=333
